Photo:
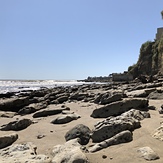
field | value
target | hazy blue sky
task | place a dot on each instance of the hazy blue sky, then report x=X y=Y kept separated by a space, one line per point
x=73 y=39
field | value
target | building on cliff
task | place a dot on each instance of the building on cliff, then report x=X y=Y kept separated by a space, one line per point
x=159 y=33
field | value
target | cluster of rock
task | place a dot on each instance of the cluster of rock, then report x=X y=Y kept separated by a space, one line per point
x=121 y=107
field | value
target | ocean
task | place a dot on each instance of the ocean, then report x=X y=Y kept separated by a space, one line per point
x=21 y=85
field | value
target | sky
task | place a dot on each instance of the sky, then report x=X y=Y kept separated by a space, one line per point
x=73 y=39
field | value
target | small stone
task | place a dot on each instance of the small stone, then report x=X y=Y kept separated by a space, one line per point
x=104 y=156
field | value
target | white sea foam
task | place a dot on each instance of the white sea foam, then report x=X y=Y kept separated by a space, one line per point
x=19 y=85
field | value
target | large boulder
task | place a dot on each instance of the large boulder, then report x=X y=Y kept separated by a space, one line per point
x=14 y=104
x=79 y=131
x=21 y=153
x=107 y=98
x=119 y=107
x=16 y=125
x=111 y=126
x=7 y=140
x=122 y=137
x=70 y=152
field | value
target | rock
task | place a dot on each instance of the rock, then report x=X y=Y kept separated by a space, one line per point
x=32 y=108
x=7 y=140
x=137 y=114
x=62 y=99
x=16 y=125
x=155 y=95
x=78 y=96
x=14 y=104
x=79 y=131
x=48 y=112
x=7 y=114
x=111 y=126
x=148 y=154
x=140 y=93
x=122 y=137
x=158 y=134
x=107 y=98
x=119 y=107
x=21 y=153
x=160 y=110
x=65 y=118
x=70 y=152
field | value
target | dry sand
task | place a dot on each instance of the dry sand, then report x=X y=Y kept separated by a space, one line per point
x=122 y=153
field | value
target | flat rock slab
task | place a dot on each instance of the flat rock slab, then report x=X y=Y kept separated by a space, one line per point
x=148 y=154
x=48 y=112
x=65 y=118
x=119 y=107
x=16 y=125
x=7 y=114
x=7 y=140
x=70 y=152
x=21 y=153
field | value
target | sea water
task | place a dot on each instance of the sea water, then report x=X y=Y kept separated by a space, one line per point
x=20 y=85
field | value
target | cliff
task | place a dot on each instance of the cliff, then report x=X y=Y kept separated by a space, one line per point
x=150 y=61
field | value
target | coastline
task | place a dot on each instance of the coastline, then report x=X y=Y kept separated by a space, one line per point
x=83 y=100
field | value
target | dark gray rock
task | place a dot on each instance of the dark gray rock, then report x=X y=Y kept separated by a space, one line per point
x=107 y=98
x=79 y=131
x=16 y=125
x=14 y=104
x=48 y=112
x=62 y=99
x=7 y=140
x=119 y=107
x=156 y=95
x=122 y=137
x=32 y=108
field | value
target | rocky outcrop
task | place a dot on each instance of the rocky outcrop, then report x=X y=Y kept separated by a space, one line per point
x=7 y=140
x=119 y=107
x=70 y=152
x=16 y=125
x=122 y=137
x=107 y=98
x=111 y=126
x=19 y=153
x=79 y=131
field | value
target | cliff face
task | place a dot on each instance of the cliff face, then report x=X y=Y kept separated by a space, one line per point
x=150 y=60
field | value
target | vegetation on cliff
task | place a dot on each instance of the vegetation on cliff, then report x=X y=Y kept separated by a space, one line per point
x=150 y=61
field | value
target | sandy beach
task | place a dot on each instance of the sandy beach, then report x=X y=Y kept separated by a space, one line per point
x=53 y=134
